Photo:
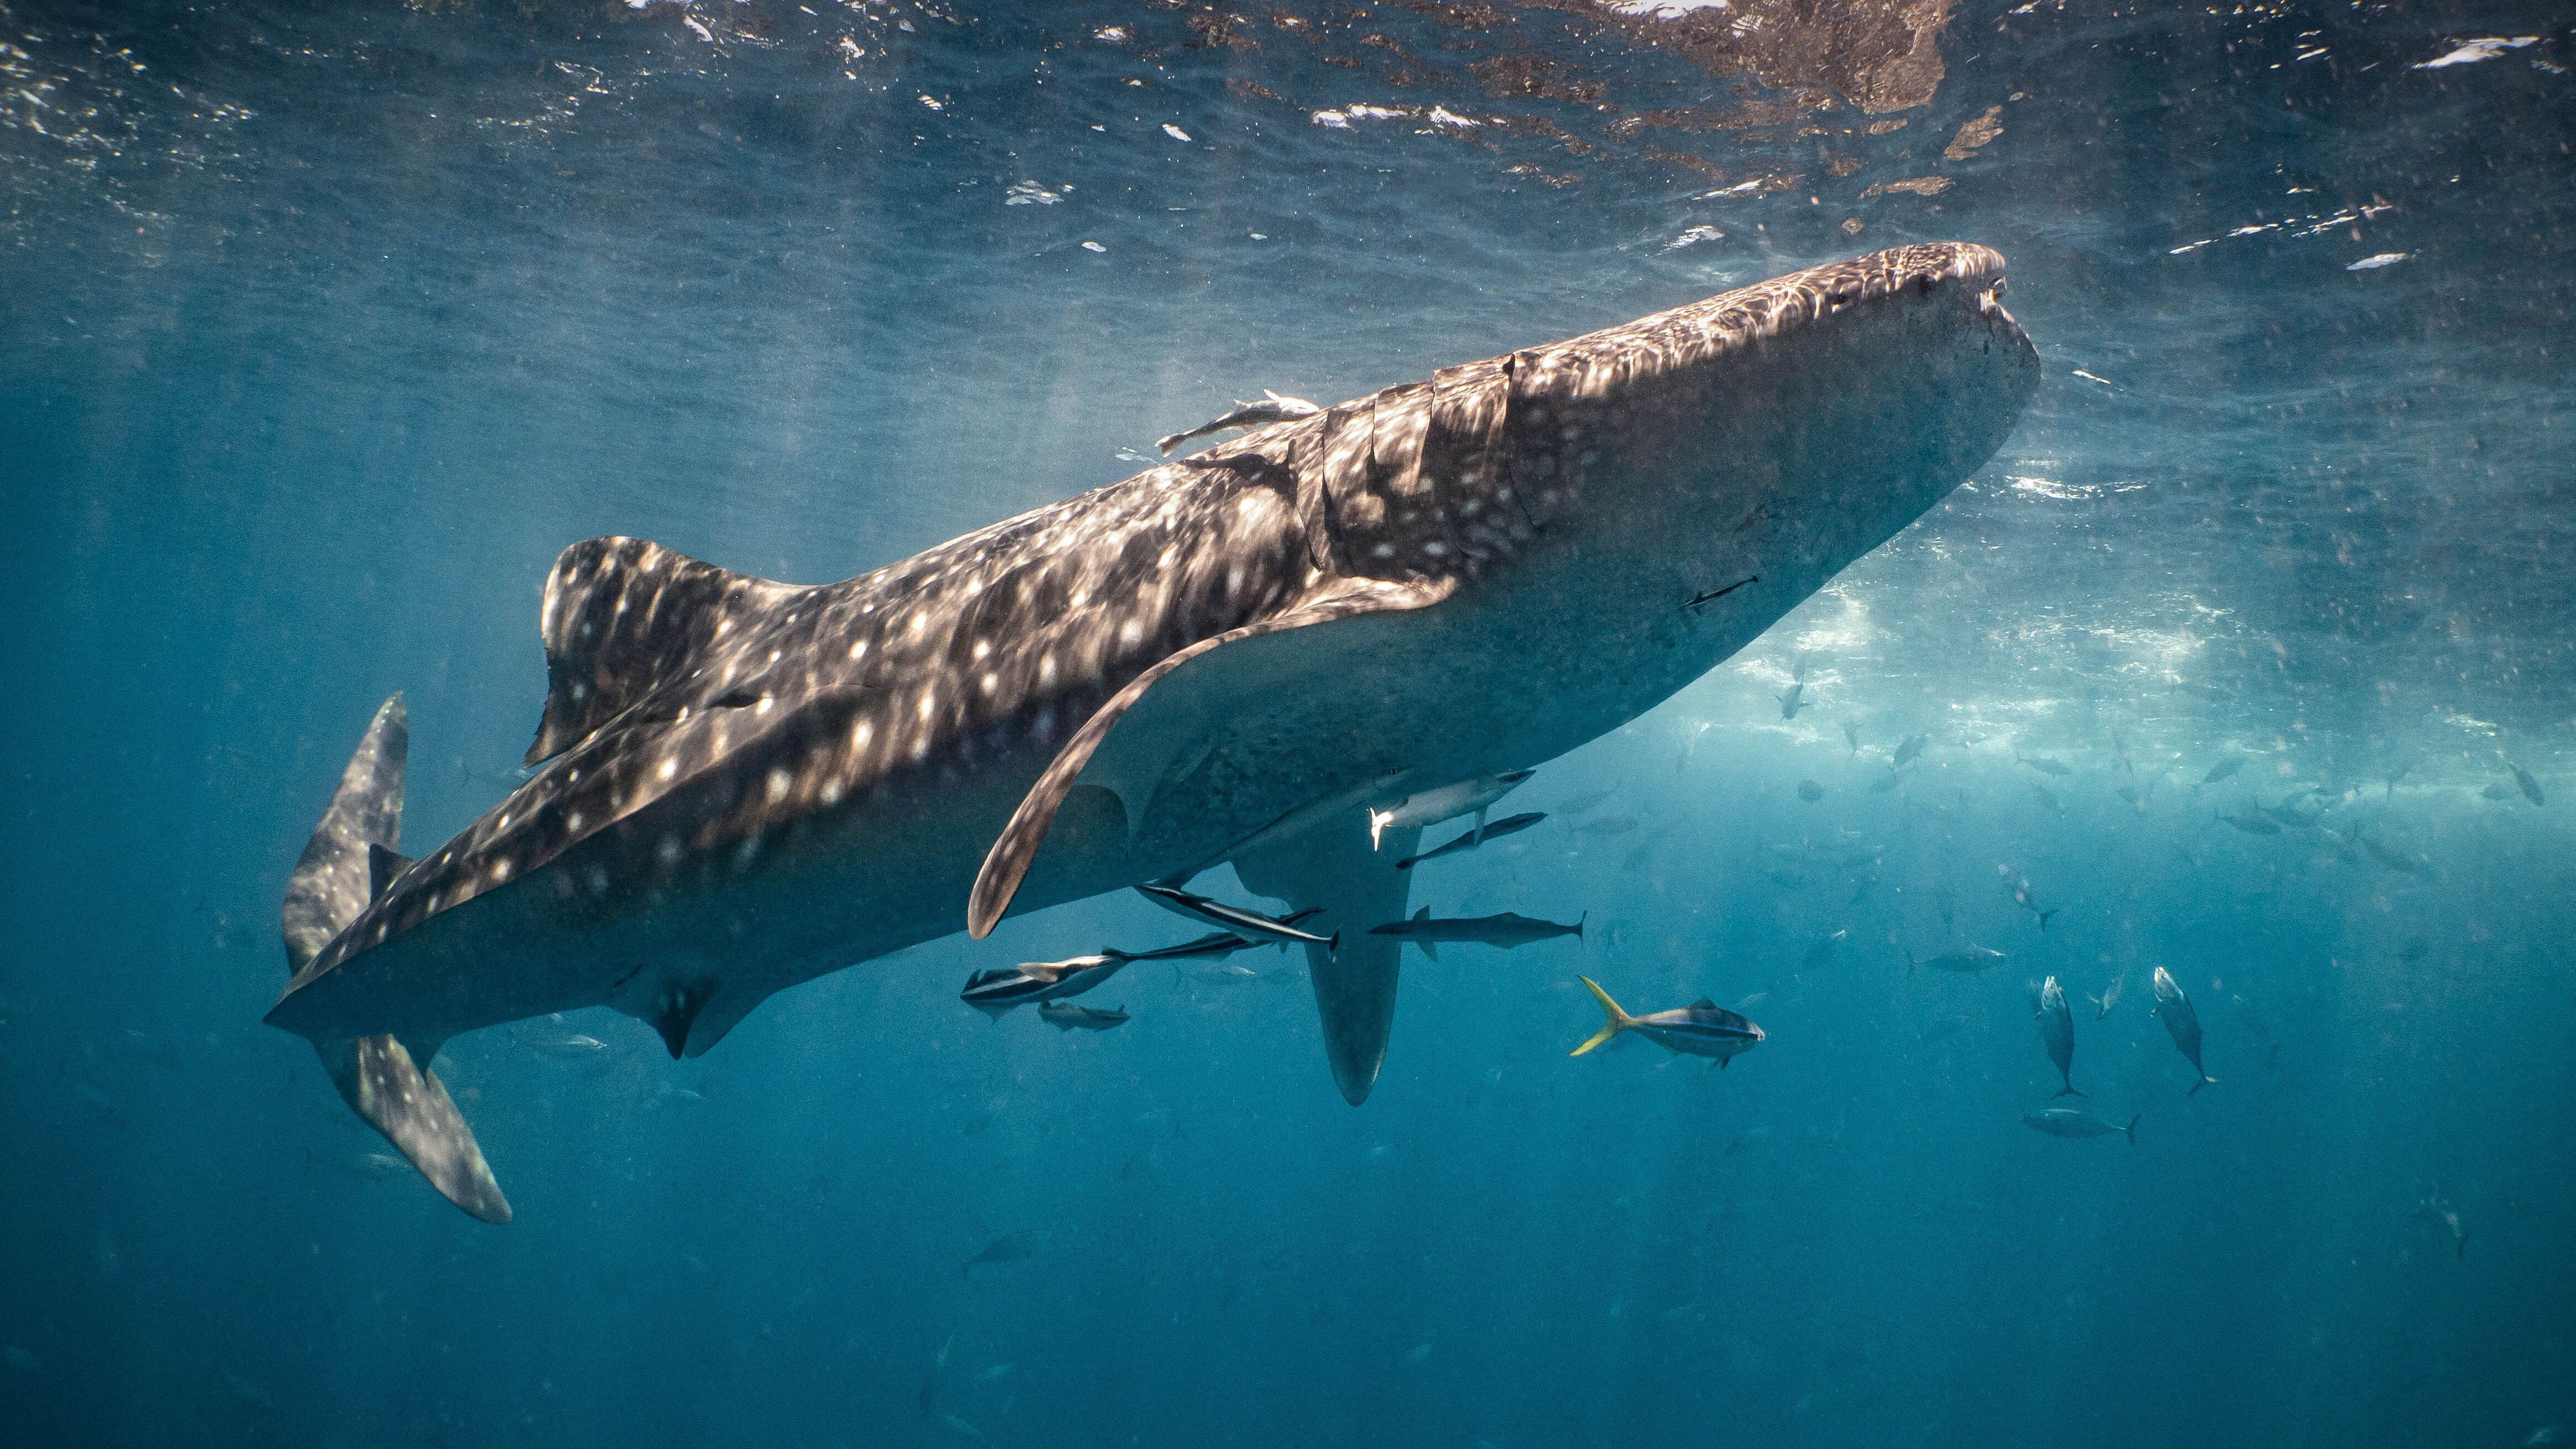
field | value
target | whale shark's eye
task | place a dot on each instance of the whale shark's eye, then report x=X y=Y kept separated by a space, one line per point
x=736 y=699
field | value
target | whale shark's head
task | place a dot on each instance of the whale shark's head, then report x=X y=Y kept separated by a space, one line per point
x=1778 y=431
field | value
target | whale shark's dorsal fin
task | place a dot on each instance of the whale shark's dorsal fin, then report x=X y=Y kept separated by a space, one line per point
x=621 y=618
x=347 y=864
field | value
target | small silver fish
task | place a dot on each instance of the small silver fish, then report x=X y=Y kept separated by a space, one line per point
x=1810 y=791
x=2173 y=1008
x=2530 y=786
x=1701 y=1029
x=1793 y=701
x=1965 y=963
x=2068 y=1122
x=365 y=1166
x=1907 y=752
x=2056 y=1032
x=1272 y=408
x=1823 y=951
x=1009 y=1247
x=2434 y=1209
x=2222 y=770
x=2110 y=996
x=2047 y=766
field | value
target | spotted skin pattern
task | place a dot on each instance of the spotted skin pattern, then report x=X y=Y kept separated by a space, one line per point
x=718 y=752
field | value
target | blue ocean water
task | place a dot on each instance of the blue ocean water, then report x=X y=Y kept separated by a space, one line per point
x=324 y=328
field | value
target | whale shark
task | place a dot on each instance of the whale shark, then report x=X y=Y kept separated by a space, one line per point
x=739 y=784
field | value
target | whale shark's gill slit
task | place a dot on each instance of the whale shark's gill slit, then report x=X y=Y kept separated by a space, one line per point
x=1007 y=864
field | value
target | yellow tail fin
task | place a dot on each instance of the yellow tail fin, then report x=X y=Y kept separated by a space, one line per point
x=1617 y=1023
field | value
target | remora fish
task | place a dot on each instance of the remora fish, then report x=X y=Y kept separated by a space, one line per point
x=1273 y=408
x=2056 y=1032
x=1506 y=930
x=1965 y=963
x=1701 y=1029
x=1508 y=825
x=745 y=784
x=1431 y=807
x=2068 y=1122
x=1065 y=1016
x=2182 y=1024
x=1234 y=918
x=1218 y=946
x=995 y=992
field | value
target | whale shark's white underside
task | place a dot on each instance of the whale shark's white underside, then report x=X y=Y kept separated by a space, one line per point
x=747 y=784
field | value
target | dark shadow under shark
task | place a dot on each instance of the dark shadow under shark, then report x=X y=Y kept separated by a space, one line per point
x=1226 y=658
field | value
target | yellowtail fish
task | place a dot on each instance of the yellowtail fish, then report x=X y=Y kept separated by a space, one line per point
x=1701 y=1029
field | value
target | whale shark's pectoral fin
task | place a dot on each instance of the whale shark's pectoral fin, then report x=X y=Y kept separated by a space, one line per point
x=1331 y=866
x=348 y=863
x=1007 y=864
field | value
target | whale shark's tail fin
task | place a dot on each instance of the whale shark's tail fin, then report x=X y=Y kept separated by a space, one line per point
x=347 y=863
x=1331 y=865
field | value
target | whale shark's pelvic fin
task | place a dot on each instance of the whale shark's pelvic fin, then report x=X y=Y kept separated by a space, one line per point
x=348 y=861
x=1331 y=866
x=1007 y=864
x=622 y=616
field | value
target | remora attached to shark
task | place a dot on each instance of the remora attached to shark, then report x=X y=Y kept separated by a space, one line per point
x=748 y=784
